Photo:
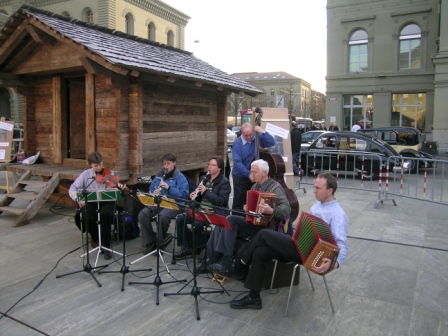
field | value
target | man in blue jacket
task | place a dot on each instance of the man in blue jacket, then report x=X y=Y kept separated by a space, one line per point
x=243 y=153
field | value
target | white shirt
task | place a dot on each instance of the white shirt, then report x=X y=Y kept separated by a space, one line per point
x=355 y=128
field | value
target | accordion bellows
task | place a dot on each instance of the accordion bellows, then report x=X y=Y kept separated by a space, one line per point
x=253 y=200
x=314 y=242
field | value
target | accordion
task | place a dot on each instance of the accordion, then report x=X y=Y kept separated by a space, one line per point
x=253 y=200
x=314 y=242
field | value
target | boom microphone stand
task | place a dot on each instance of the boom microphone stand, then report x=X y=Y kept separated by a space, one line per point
x=87 y=267
x=195 y=291
x=124 y=269
x=157 y=281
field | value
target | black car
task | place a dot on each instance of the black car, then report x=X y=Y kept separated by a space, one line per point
x=351 y=152
x=407 y=141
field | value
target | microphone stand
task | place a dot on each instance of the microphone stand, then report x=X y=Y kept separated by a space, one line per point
x=87 y=267
x=157 y=281
x=195 y=291
x=124 y=269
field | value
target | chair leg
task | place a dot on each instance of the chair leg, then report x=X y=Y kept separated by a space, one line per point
x=273 y=275
x=311 y=281
x=328 y=292
x=290 y=287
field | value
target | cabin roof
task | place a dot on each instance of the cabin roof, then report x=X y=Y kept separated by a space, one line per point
x=128 y=51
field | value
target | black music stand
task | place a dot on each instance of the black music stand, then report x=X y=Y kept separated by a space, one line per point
x=157 y=280
x=124 y=269
x=100 y=247
x=195 y=291
x=87 y=267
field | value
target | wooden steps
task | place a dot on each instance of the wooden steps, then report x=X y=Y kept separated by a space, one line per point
x=36 y=198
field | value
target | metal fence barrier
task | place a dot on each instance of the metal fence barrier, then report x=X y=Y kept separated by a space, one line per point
x=391 y=177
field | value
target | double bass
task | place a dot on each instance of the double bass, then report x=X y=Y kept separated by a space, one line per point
x=277 y=169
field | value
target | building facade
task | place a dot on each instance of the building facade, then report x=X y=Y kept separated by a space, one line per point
x=385 y=63
x=149 y=19
x=280 y=89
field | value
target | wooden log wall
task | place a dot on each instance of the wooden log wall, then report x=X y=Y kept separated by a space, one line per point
x=180 y=121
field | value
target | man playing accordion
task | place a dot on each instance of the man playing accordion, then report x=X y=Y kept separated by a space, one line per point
x=267 y=245
x=222 y=243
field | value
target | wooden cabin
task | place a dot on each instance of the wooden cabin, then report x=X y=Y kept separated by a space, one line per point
x=87 y=88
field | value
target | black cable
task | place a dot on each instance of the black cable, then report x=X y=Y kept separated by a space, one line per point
x=23 y=323
x=396 y=243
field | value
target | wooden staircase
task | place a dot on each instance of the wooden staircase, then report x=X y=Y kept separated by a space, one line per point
x=36 y=199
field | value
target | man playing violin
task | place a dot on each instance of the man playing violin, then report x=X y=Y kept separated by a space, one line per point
x=225 y=243
x=169 y=182
x=88 y=181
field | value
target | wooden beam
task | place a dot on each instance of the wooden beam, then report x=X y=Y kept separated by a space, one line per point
x=90 y=113
x=21 y=55
x=135 y=73
x=81 y=49
x=38 y=36
x=90 y=66
x=198 y=84
x=57 y=117
x=13 y=41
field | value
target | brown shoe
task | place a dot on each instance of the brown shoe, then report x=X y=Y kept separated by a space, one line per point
x=94 y=245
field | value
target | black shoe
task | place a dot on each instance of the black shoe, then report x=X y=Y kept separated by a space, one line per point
x=150 y=247
x=182 y=254
x=224 y=266
x=246 y=303
x=203 y=269
x=107 y=255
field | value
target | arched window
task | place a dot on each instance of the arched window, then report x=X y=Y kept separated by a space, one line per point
x=129 y=24
x=87 y=15
x=358 y=43
x=152 y=32
x=410 y=40
x=170 y=38
x=65 y=13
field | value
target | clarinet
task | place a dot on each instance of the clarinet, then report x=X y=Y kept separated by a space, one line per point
x=159 y=188
x=197 y=192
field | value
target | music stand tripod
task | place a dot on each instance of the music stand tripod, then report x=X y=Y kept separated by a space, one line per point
x=100 y=246
x=124 y=269
x=87 y=267
x=195 y=291
x=157 y=280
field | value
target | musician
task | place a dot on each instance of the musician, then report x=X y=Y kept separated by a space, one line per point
x=169 y=182
x=243 y=153
x=88 y=181
x=214 y=190
x=267 y=245
x=223 y=242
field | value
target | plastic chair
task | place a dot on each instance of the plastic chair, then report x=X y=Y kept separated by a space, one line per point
x=292 y=282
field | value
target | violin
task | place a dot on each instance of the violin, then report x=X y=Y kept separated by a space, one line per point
x=105 y=176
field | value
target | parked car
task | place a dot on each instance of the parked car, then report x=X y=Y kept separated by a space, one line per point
x=349 y=151
x=407 y=141
x=309 y=137
x=231 y=137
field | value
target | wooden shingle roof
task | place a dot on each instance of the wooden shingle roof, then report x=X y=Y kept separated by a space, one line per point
x=128 y=51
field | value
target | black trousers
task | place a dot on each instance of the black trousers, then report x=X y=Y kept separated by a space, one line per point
x=262 y=248
x=106 y=219
x=182 y=231
x=240 y=186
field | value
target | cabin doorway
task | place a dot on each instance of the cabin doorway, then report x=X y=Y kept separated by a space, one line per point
x=76 y=118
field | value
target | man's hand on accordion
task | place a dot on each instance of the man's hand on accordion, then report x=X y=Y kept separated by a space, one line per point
x=325 y=266
x=265 y=208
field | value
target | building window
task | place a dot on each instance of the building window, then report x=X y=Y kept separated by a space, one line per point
x=272 y=92
x=356 y=108
x=410 y=40
x=409 y=109
x=170 y=38
x=87 y=15
x=129 y=24
x=358 y=43
x=151 y=32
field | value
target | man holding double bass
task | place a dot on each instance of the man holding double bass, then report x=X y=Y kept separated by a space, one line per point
x=224 y=245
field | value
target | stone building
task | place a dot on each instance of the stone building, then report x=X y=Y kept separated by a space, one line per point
x=387 y=62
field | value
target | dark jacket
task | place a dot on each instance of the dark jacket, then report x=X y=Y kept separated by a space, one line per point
x=217 y=194
x=296 y=140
